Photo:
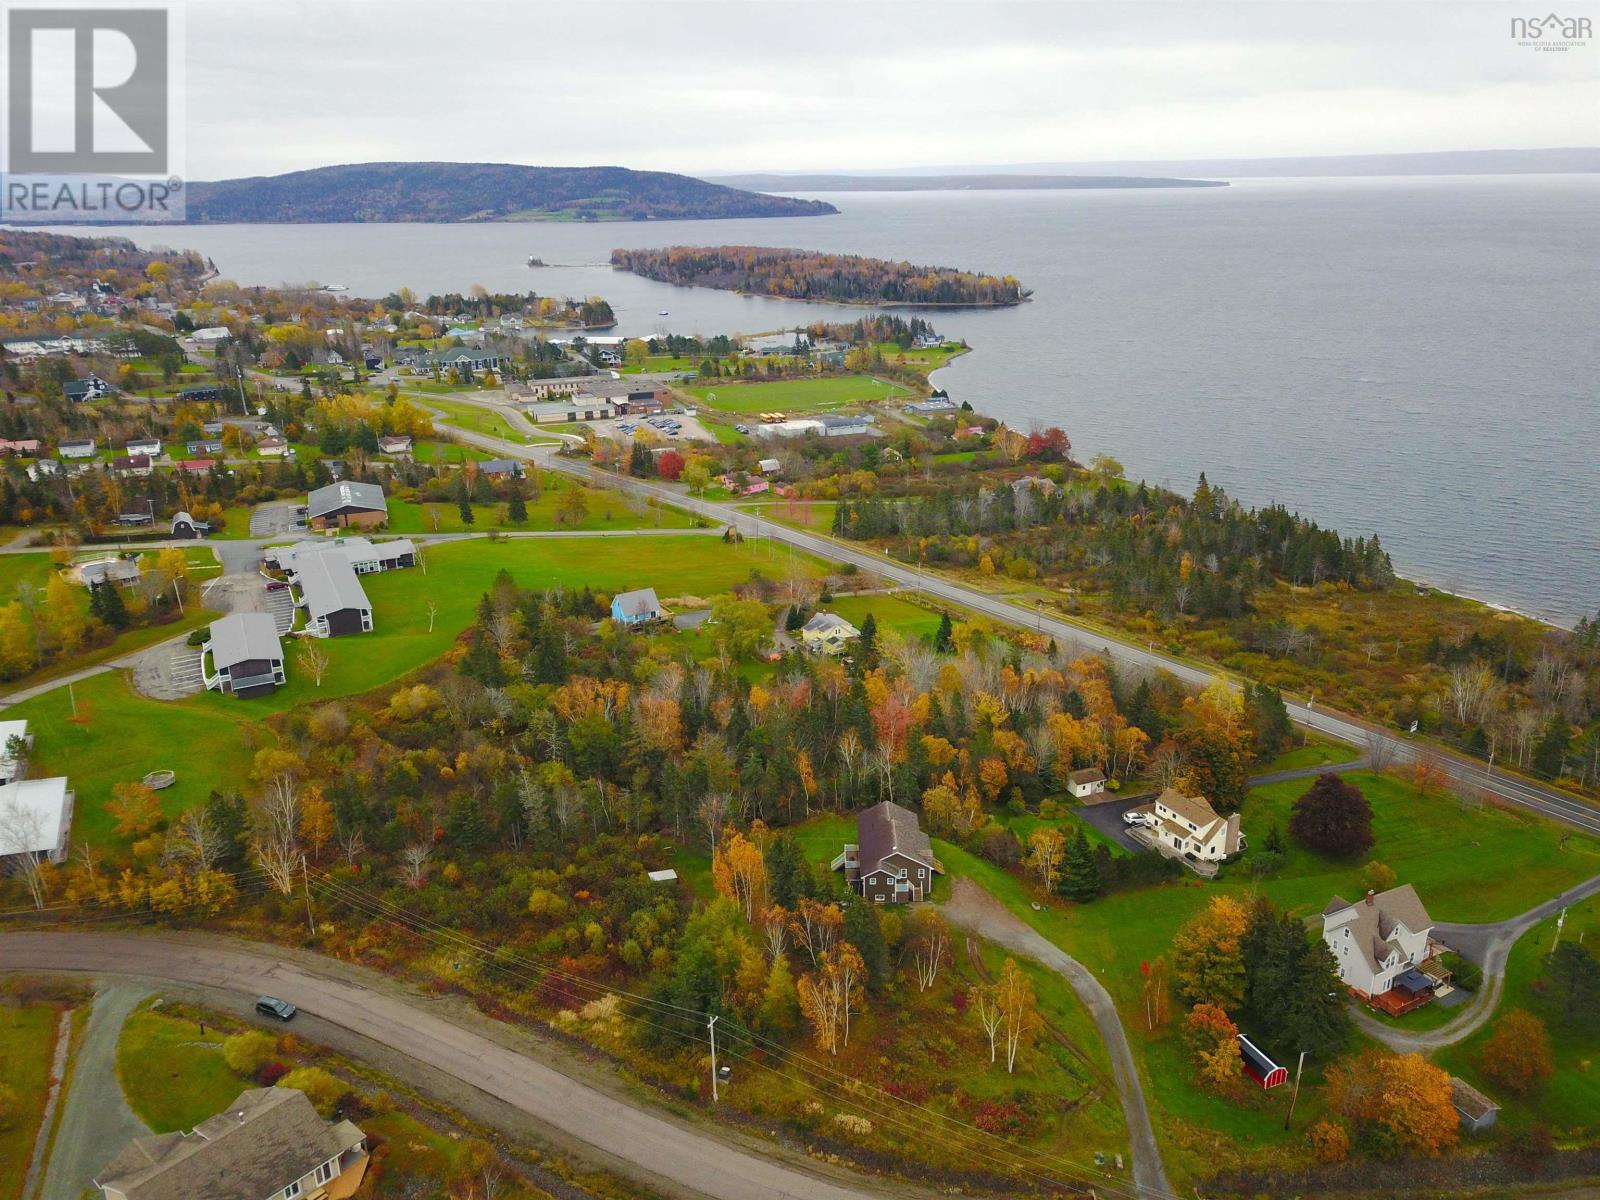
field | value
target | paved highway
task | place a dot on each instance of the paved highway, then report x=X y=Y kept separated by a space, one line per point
x=1381 y=745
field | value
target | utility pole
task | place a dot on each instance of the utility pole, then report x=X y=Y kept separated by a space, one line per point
x=711 y=1025
x=178 y=592
x=305 y=882
x=1296 y=1097
x=1560 y=921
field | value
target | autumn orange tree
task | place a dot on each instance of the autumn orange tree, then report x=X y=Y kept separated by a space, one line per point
x=1019 y=1010
x=1046 y=848
x=1207 y=956
x=135 y=808
x=739 y=871
x=1212 y=1040
x=1397 y=1103
x=1517 y=1054
x=830 y=994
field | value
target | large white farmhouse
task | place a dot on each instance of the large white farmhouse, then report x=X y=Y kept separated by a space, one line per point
x=1379 y=939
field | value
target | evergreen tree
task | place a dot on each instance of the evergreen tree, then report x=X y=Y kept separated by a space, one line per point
x=1269 y=720
x=942 y=639
x=862 y=931
x=1574 y=975
x=640 y=464
x=464 y=503
x=1551 y=754
x=1274 y=842
x=229 y=816
x=785 y=868
x=867 y=649
x=481 y=661
x=111 y=608
x=516 y=505
x=464 y=826
x=1081 y=879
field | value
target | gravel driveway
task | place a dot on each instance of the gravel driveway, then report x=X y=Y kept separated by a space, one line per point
x=96 y=1122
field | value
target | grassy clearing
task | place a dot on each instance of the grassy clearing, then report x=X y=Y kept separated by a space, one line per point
x=1569 y=1102
x=173 y=1077
x=27 y=1045
x=124 y=736
x=795 y=395
x=447 y=452
x=475 y=417
x=607 y=509
x=890 y=612
x=1315 y=753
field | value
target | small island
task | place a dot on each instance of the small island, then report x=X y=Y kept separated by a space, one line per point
x=820 y=277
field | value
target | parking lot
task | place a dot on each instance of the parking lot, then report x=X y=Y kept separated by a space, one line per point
x=281 y=516
x=670 y=426
x=169 y=672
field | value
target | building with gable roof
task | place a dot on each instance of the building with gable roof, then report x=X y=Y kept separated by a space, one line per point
x=1380 y=941
x=270 y=1144
x=891 y=861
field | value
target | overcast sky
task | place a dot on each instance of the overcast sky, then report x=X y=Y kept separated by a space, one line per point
x=708 y=85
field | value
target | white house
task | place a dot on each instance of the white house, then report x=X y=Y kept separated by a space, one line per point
x=828 y=633
x=77 y=448
x=1091 y=781
x=1378 y=939
x=36 y=818
x=212 y=335
x=1188 y=825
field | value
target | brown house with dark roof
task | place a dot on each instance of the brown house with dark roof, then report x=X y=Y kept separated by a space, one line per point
x=269 y=1145
x=891 y=860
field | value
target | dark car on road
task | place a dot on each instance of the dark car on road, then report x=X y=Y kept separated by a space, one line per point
x=278 y=1010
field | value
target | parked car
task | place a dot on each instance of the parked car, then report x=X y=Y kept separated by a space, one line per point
x=741 y=429
x=276 y=585
x=278 y=1010
x=1133 y=817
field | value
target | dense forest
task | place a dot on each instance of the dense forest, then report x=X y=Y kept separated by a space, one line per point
x=814 y=275
x=1145 y=546
x=450 y=192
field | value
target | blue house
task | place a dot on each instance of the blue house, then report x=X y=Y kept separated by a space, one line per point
x=635 y=608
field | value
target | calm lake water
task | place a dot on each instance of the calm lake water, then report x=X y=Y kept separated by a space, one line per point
x=1415 y=357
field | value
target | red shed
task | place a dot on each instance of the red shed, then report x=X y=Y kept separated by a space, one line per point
x=1259 y=1067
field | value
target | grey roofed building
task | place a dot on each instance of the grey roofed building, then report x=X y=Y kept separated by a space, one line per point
x=246 y=654
x=892 y=857
x=636 y=607
x=122 y=571
x=494 y=467
x=334 y=600
x=270 y=1142
x=340 y=499
x=1477 y=1111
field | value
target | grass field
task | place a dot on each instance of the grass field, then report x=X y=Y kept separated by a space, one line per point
x=929 y=359
x=447 y=452
x=474 y=417
x=891 y=612
x=27 y=1043
x=172 y=1077
x=795 y=395
x=1569 y=1103
x=1315 y=753
x=607 y=509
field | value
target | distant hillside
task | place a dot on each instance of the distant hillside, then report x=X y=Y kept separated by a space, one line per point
x=952 y=183
x=451 y=192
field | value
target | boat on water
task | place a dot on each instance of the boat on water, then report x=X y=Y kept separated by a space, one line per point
x=335 y=287
x=663 y=313
x=535 y=261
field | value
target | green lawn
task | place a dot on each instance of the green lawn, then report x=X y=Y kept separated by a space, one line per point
x=891 y=612
x=1467 y=864
x=1315 y=753
x=447 y=452
x=27 y=1043
x=607 y=509
x=124 y=737
x=795 y=395
x=172 y=1077
x=1569 y=1102
x=19 y=569
x=474 y=417
x=930 y=359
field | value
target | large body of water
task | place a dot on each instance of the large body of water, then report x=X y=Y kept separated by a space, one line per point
x=1417 y=357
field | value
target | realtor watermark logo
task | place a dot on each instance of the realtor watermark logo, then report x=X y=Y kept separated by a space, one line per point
x=1552 y=32
x=93 y=122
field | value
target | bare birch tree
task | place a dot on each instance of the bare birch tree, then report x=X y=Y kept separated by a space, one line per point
x=275 y=842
